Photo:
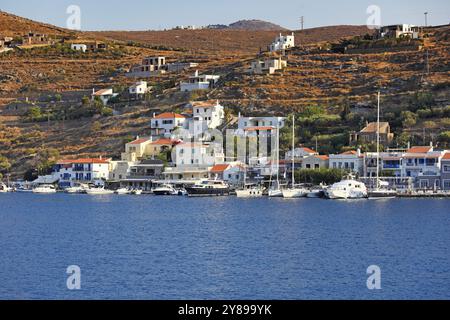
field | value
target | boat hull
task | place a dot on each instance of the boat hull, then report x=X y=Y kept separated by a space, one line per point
x=207 y=192
x=382 y=195
x=249 y=193
x=294 y=193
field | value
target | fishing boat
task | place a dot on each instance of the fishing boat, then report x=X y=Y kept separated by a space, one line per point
x=294 y=191
x=95 y=191
x=209 y=188
x=165 y=190
x=381 y=190
x=347 y=189
x=45 y=189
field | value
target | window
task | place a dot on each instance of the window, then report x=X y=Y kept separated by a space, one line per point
x=424 y=183
x=446 y=184
x=446 y=168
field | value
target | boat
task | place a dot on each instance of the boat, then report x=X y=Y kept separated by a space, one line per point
x=136 y=192
x=76 y=189
x=209 y=188
x=316 y=193
x=294 y=191
x=45 y=189
x=182 y=192
x=165 y=190
x=274 y=189
x=250 y=191
x=382 y=190
x=122 y=191
x=4 y=188
x=23 y=190
x=98 y=191
x=347 y=189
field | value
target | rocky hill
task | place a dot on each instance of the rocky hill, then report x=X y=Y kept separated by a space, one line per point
x=253 y=25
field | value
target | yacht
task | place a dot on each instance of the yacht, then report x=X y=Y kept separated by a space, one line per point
x=4 y=188
x=76 y=189
x=165 y=190
x=347 y=189
x=294 y=191
x=45 y=189
x=250 y=191
x=209 y=188
x=94 y=191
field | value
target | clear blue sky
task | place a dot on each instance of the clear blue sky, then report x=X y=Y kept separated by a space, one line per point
x=157 y=14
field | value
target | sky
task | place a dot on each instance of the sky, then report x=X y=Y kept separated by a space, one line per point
x=157 y=14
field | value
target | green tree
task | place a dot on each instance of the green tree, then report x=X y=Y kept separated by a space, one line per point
x=45 y=159
x=409 y=119
x=34 y=114
x=5 y=165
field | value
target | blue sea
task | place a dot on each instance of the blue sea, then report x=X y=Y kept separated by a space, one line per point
x=146 y=247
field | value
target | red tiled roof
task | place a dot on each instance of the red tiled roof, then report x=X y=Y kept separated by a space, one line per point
x=419 y=150
x=85 y=161
x=446 y=156
x=308 y=150
x=219 y=168
x=165 y=141
x=139 y=141
x=260 y=129
x=101 y=92
x=349 y=153
x=322 y=157
x=169 y=115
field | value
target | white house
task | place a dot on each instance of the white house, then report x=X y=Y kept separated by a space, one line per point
x=79 y=47
x=205 y=115
x=283 y=42
x=138 y=89
x=253 y=123
x=150 y=66
x=352 y=161
x=198 y=154
x=81 y=170
x=105 y=95
x=399 y=31
x=199 y=82
x=233 y=172
x=300 y=153
x=164 y=124
x=267 y=66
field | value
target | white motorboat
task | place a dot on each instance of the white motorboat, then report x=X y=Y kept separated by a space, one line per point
x=76 y=189
x=295 y=192
x=99 y=191
x=165 y=190
x=45 y=189
x=347 y=189
x=136 y=192
x=4 y=188
x=122 y=191
x=250 y=191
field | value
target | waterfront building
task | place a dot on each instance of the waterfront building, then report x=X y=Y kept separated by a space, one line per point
x=445 y=171
x=352 y=161
x=282 y=43
x=88 y=170
x=199 y=82
x=233 y=172
x=315 y=162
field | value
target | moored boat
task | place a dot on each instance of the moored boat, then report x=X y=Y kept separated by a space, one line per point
x=295 y=192
x=207 y=188
x=98 y=191
x=165 y=190
x=45 y=189
x=250 y=191
x=4 y=188
x=347 y=189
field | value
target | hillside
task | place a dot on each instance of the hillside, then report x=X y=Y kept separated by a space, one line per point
x=254 y=25
x=55 y=79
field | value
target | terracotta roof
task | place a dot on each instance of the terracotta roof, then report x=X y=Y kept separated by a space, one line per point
x=102 y=92
x=419 y=150
x=260 y=129
x=219 y=168
x=85 y=161
x=323 y=157
x=308 y=150
x=205 y=104
x=139 y=141
x=446 y=156
x=165 y=141
x=373 y=127
x=169 y=115
x=349 y=153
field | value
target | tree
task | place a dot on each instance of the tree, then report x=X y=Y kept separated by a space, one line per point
x=45 y=159
x=5 y=165
x=85 y=101
x=409 y=119
x=34 y=113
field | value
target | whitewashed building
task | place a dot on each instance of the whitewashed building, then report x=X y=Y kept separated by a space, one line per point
x=205 y=115
x=267 y=66
x=104 y=95
x=79 y=47
x=352 y=161
x=164 y=124
x=69 y=172
x=253 y=123
x=232 y=172
x=282 y=43
x=399 y=31
x=199 y=82
x=139 y=89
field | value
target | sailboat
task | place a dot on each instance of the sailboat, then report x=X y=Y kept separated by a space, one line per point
x=250 y=190
x=275 y=190
x=382 y=190
x=294 y=192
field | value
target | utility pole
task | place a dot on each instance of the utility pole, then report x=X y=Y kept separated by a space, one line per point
x=426 y=19
x=302 y=22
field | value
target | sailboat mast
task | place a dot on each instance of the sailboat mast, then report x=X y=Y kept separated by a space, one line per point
x=378 y=142
x=278 y=155
x=293 y=150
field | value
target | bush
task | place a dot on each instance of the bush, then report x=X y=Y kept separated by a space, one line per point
x=327 y=176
